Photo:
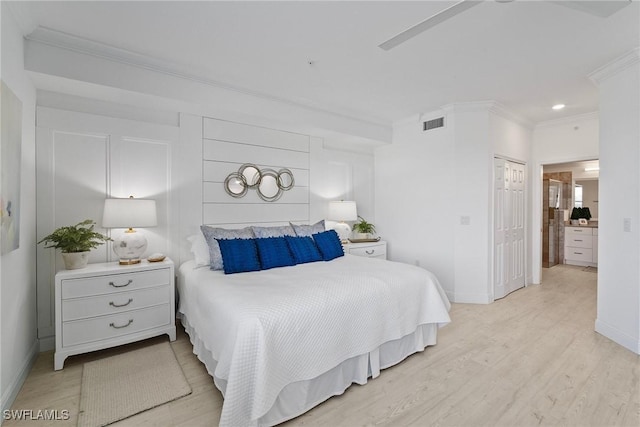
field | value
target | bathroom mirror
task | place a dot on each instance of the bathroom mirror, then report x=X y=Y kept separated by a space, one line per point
x=269 y=190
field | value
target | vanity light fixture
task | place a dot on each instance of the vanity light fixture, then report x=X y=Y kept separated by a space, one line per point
x=597 y=168
x=558 y=107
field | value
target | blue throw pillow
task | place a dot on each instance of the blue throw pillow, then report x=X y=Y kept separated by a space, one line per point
x=329 y=245
x=304 y=249
x=239 y=255
x=211 y=235
x=274 y=252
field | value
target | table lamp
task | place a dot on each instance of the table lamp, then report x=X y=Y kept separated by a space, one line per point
x=129 y=213
x=342 y=211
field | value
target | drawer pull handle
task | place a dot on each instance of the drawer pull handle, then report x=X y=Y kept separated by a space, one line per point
x=120 y=327
x=113 y=304
x=371 y=252
x=121 y=286
x=577 y=253
x=577 y=240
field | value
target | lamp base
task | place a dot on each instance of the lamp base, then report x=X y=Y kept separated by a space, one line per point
x=129 y=247
x=344 y=231
x=129 y=261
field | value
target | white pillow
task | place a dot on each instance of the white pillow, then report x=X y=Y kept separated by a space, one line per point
x=200 y=250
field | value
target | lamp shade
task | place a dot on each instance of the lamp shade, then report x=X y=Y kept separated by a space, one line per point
x=343 y=211
x=128 y=213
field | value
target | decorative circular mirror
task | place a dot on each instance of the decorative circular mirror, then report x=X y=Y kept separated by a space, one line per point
x=268 y=190
x=285 y=179
x=252 y=175
x=235 y=185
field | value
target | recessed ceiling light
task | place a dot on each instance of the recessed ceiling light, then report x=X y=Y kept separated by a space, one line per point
x=558 y=107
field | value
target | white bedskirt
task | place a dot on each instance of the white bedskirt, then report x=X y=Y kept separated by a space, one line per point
x=280 y=341
x=299 y=397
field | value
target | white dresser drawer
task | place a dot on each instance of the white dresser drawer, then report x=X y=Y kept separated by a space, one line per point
x=100 y=285
x=80 y=308
x=578 y=231
x=372 y=250
x=105 y=327
x=579 y=241
x=578 y=254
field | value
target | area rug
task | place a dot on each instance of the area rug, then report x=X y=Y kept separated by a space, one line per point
x=124 y=385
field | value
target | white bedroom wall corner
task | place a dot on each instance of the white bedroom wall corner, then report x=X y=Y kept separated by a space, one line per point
x=18 y=334
x=618 y=308
x=317 y=199
x=413 y=197
x=188 y=181
x=472 y=170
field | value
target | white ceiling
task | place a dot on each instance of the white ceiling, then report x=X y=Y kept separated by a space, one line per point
x=526 y=55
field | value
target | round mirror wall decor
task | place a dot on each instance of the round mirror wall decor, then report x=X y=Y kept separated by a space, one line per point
x=251 y=173
x=285 y=179
x=235 y=185
x=269 y=184
x=269 y=190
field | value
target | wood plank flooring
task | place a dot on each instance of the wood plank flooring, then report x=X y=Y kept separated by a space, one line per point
x=531 y=358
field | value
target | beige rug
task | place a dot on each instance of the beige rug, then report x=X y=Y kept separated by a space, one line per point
x=121 y=386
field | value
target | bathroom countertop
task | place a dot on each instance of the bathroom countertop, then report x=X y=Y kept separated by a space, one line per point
x=591 y=224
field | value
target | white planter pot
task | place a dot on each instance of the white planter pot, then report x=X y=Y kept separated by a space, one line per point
x=75 y=260
x=361 y=236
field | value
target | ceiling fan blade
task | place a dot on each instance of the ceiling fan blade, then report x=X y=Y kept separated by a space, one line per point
x=428 y=23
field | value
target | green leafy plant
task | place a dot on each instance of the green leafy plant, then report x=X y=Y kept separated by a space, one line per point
x=75 y=238
x=364 y=227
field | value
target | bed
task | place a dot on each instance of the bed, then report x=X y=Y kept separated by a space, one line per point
x=279 y=342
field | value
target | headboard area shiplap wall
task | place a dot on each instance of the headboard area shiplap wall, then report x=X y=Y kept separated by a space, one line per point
x=225 y=147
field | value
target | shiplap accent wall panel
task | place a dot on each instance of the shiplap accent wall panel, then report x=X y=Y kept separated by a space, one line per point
x=225 y=147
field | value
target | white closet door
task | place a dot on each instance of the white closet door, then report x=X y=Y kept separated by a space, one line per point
x=83 y=159
x=509 y=185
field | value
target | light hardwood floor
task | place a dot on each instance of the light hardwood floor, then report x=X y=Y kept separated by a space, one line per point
x=531 y=358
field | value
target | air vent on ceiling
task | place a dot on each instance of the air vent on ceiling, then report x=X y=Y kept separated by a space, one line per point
x=433 y=124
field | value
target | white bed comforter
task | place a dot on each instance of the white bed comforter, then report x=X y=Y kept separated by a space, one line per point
x=271 y=328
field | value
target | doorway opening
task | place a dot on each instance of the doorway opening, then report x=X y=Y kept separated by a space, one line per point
x=570 y=214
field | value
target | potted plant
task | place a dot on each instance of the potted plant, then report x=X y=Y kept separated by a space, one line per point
x=75 y=242
x=363 y=229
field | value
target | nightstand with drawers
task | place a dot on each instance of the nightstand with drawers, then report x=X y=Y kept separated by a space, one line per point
x=107 y=304
x=367 y=249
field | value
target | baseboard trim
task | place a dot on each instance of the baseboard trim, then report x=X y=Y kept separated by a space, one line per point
x=617 y=336
x=471 y=298
x=9 y=396
x=47 y=343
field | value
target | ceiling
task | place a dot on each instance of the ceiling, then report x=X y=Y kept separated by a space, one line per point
x=526 y=55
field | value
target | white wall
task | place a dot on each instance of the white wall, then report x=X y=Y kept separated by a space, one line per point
x=619 y=244
x=19 y=345
x=427 y=181
x=559 y=141
x=414 y=189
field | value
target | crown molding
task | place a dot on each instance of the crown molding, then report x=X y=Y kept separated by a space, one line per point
x=73 y=43
x=467 y=107
x=20 y=12
x=493 y=107
x=570 y=120
x=616 y=66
